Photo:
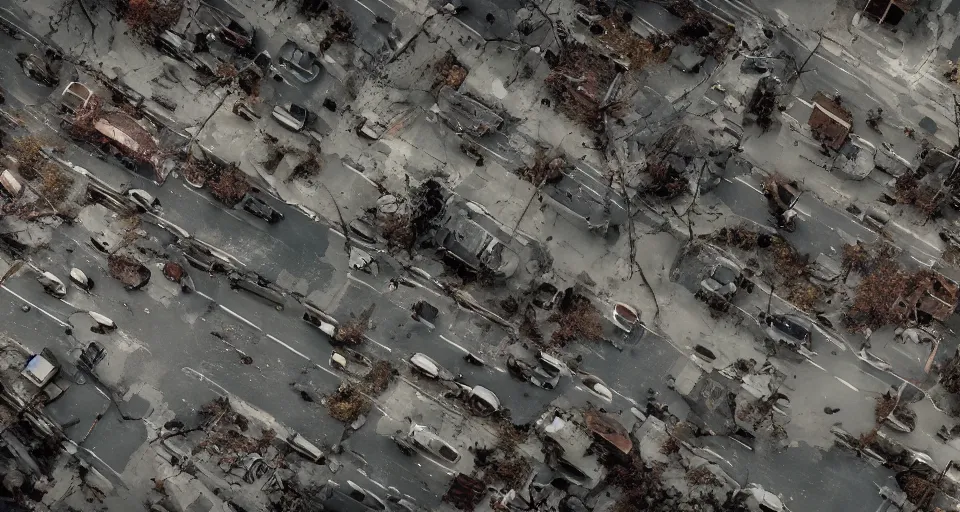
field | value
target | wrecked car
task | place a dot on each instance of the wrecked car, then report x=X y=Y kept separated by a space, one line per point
x=465 y=241
x=292 y=116
x=625 y=316
x=724 y=278
x=464 y=114
x=318 y=318
x=52 y=285
x=38 y=69
x=144 y=200
x=259 y=208
x=540 y=375
x=302 y=64
x=421 y=439
x=479 y=399
x=231 y=30
x=791 y=330
x=177 y=47
x=75 y=96
x=597 y=387
x=257 y=286
x=429 y=368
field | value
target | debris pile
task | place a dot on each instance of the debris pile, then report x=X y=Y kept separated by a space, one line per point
x=133 y=274
x=577 y=320
x=908 y=190
x=354 y=331
x=504 y=463
x=149 y=18
x=579 y=81
x=544 y=169
x=449 y=71
x=227 y=433
x=351 y=400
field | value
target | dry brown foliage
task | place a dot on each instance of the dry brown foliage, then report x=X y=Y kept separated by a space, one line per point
x=449 y=71
x=149 y=18
x=544 y=169
x=228 y=185
x=917 y=489
x=226 y=433
x=226 y=72
x=578 y=83
x=307 y=169
x=82 y=126
x=884 y=406
x=885 y=281
x=788 y=261
x=741 y=237
x=28 y=150
x=854 y=258
x=507 y=465
x=127 y=270
x=909 y=190
x=398 y=230
x=354 y=331
x=624 y=41
x=670 y=446
x=347 y=403
x=55 y=184
x=581 y=321
x=702 y=476
x=639 y=484
x=379 y=377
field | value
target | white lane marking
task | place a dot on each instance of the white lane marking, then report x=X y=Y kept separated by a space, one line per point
x=207 y=199
x=745 y=182
x=805 y=102
x=348 y=166
x=468 y=27
x=338 y=233
x=368 y=338
x=847 y=384
x=288 y=347
x=365 y=7
x=351 y=277
x=444 y=338
x=817 y=365
x=238 y=317
x=34 y=306
x=627 y=398
x=204 y=378
x=272 y=337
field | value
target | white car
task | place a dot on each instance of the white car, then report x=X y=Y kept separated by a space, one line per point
x=597 y=387
x=426 y=366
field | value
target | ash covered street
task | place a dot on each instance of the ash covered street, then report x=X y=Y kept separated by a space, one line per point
x=473 y=255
